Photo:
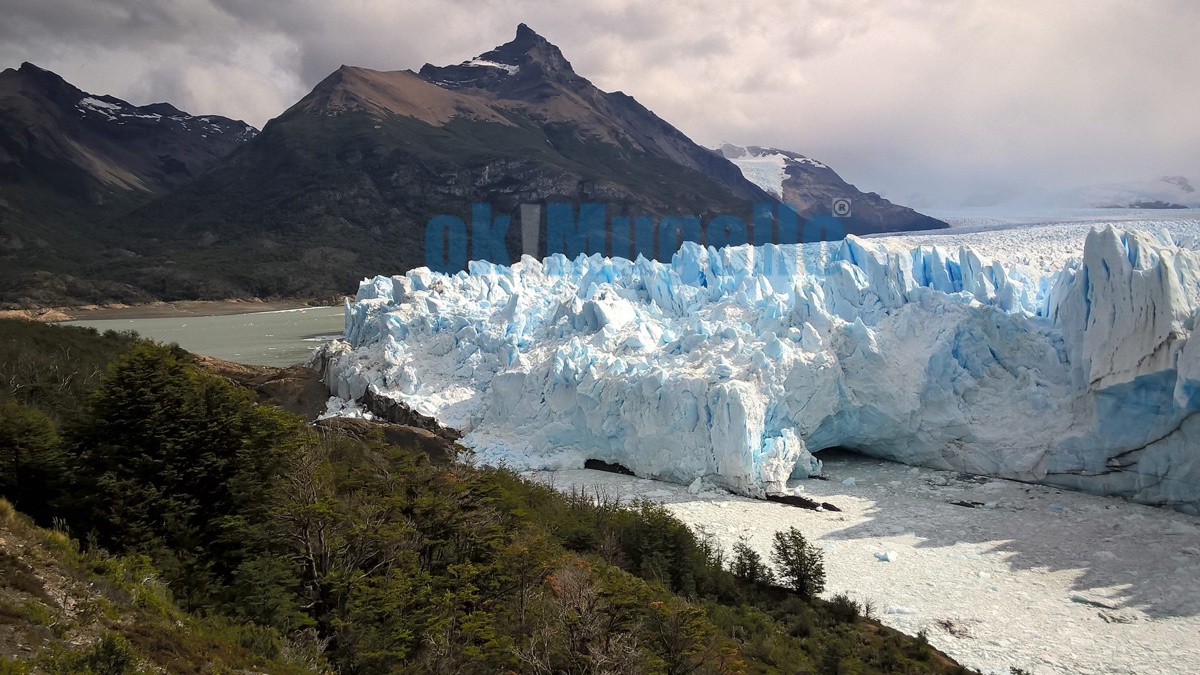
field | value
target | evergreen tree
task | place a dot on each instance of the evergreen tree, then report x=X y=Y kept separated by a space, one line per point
x=748 y=565
x=31 y=461
x=169 y=454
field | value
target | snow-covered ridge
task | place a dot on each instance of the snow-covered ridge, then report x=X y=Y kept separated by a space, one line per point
x=738 y=364
x=120 y=112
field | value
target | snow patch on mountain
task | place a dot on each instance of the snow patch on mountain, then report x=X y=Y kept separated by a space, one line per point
x=765 y=167
x=739 y=365
x=485 y=63
x=767 y=172
x=98 y=105
x=120 y=112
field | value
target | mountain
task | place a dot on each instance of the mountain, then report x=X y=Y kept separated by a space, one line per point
x=69 y=158
x=812 y=188
x=1168 y=192
x=346 y=180
x=86 y=145
x=531 y=75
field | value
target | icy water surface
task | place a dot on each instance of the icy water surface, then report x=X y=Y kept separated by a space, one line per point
x=997 y=573
x=262 y=338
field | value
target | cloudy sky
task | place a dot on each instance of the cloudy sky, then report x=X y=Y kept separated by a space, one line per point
x=929 y=102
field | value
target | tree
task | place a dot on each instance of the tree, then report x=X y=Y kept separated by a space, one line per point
x=748 y=565
x=801 y=565
x=31 y=460
x=168 y=456
x=580 y=631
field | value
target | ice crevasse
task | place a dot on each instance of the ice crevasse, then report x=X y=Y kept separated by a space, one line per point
x=740 y=364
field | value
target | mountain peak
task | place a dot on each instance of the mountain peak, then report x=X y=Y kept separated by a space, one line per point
x=529 y=48
x=31 y=72
x=47 y=83
x=525 y=33
x=528 y=42
x=515 y=67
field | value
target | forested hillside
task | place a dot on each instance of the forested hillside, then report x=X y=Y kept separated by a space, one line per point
x=205 y=532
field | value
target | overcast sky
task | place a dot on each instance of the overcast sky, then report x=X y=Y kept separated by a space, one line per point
x=928 y=102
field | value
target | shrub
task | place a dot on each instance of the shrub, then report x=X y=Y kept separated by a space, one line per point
x=844 y=609
x=31 y=459
x=111 y=655
x=801 y=564
x=7 y=512
x=12 y=667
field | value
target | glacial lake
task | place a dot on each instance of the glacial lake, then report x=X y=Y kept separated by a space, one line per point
x=261 y=338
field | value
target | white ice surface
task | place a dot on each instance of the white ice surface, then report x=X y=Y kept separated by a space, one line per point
x=1055 y=353
x=1100 y=586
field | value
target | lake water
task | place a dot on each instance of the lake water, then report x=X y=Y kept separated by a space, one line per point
x=261 y=338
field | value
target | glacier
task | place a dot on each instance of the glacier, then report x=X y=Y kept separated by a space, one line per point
x=739 y=365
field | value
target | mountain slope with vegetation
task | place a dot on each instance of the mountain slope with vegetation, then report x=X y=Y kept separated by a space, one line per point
x=265 y=541
x=70 y=160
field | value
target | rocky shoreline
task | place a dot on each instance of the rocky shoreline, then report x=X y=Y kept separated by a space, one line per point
x=162 y=310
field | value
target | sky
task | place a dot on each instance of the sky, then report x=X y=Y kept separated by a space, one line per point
x=931 y=103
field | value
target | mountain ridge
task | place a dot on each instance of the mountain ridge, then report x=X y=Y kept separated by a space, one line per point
x=71 y=161
x=344 y=182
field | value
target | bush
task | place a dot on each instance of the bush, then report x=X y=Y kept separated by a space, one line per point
x=12 y=667
x=801 y=565
x=111 y=655
x=844 y=609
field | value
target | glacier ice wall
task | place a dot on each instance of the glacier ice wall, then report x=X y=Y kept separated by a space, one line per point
x=739 y=364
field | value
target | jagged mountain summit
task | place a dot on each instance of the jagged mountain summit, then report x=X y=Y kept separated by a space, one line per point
x=532 y=74
x=812 y=188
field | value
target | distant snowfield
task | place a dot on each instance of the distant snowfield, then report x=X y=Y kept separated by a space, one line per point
x=1043 y=241
x=1048 y=580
